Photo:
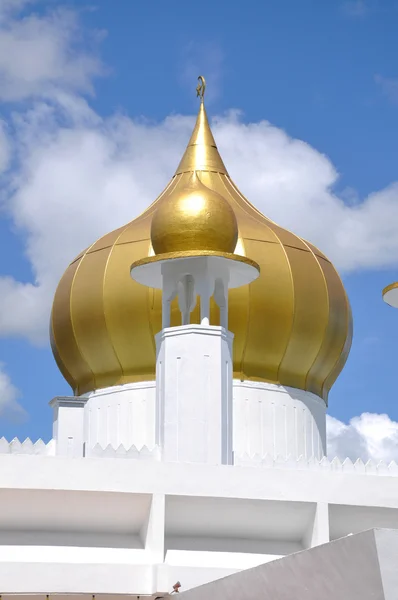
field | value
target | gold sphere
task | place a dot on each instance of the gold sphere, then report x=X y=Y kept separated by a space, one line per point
x=194 y=218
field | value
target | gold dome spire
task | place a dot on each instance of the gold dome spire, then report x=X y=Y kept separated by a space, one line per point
x=201 y=153
x=292 y=325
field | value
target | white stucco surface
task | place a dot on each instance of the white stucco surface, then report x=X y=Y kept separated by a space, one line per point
x=278 y=421
x=194 y=394
x=266 y=419
x=221 y=476
x=122 y=414
x=358 y=567
x=147 y=524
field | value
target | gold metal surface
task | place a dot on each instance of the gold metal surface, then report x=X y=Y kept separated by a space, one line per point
x=391 y=299
x=201 y=87
x=388 y=288
x=292 y=325
x=193 y=217
x=201 y=153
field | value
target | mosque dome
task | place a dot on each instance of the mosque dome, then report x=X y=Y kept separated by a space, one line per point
x=292 y=326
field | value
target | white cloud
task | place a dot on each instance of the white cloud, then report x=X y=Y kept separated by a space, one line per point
x=369 y=436
x=388 y=87
x=40 y=54
x=10 y=408
x=4 y=147
x=355 y=8
x=8 y=7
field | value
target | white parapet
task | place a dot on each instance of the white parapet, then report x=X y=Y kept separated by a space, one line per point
x=118 y=421
x=133 y=452
x=262 y=422
x=121 y=415
x=277 y=421
x=38 y=448
x=194 y=394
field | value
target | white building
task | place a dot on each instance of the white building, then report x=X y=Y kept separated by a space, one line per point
x=194 y=445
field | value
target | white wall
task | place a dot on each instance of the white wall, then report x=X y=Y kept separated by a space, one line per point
x=278 y=421
x=147 y=524
x=266 y=419
x=121 y=415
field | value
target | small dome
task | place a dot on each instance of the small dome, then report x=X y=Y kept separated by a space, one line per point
x=194 y=218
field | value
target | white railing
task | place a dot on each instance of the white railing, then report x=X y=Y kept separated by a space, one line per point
x=27 y=447
x=372 y=467
x=109 y=451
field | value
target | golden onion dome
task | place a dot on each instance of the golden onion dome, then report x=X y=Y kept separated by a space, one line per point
x=194 y=217
x=292 y=325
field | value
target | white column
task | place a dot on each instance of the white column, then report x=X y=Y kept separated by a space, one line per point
x=194 y=394
x=68 y=425
x=318 y=528
x=186 y=298
x=168 y=295
x=221 y=298
x=205 y=287
x=152 y=533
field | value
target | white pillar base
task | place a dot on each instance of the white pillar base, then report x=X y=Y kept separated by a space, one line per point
x=68 y=426
x=194 y=394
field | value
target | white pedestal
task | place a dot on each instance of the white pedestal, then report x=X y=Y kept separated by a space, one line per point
x=68 y=426
x=194 y=394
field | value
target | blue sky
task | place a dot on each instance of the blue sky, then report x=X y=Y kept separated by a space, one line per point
x=324 y=73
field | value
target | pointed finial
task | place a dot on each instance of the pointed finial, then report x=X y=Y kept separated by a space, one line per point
x=201 y=153
x=201 y=88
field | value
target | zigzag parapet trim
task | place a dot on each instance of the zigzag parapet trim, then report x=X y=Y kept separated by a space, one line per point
x=372 y=467
x=27 y=447
x=109 y=451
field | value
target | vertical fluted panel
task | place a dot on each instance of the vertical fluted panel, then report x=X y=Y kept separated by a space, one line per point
x=276 y=421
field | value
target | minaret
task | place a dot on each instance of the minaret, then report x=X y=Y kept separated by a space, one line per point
x=194 y=234
x=136 y=390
